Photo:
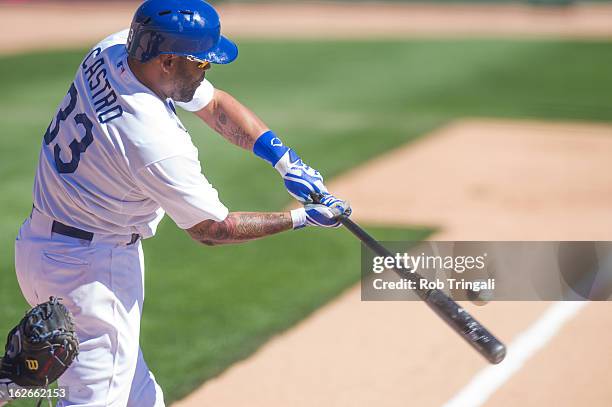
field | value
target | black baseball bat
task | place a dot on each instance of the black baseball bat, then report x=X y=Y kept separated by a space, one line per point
x=472 y=331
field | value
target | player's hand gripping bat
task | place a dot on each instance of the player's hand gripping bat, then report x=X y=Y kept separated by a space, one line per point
x=456 y=317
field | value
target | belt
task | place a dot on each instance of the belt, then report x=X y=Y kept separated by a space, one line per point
x=61 y=229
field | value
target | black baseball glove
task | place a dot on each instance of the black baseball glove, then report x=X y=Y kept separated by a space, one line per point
x=41 y=347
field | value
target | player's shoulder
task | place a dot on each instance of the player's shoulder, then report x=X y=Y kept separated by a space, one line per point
x=148 y=127
x=118 y=38
x=112 y=47
x=150 y=130
x=108 y=59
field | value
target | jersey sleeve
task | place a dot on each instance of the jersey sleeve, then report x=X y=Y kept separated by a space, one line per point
x=202 y=97
x=179 y=187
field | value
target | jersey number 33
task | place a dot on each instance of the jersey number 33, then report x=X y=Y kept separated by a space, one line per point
x=76 y=147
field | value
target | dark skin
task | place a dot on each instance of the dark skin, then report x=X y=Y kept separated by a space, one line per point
x=175 y=77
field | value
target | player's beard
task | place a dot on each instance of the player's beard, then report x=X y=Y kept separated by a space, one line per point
x=185 y=86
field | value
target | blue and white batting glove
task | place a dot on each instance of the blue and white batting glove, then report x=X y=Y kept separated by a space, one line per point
x=319 y=214
x=332 y=202
x=300 y=179
x=315 y=215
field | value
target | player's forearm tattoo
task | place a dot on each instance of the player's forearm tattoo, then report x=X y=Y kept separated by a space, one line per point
x=241 y=227
x=232 y=131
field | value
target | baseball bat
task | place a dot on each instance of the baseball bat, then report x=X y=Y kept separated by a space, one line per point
x=464 y=324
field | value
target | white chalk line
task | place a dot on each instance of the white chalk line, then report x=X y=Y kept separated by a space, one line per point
x=488 y=380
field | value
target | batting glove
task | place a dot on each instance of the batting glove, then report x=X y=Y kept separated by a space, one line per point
x=316 y=214
x=300 y=179
x=332 y=202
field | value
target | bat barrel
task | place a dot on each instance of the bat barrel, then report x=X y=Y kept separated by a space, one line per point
x=455 y=316
x=466 y=326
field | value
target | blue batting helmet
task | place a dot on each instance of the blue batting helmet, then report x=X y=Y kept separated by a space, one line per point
x=181 y=27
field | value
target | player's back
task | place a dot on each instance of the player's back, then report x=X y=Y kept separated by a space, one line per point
x=108 y=127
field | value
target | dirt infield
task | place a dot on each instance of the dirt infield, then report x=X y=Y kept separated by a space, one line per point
x=493 y=180
x=474 y=179
x=84 y=23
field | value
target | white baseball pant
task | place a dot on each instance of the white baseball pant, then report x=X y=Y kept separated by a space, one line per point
x=102 y=283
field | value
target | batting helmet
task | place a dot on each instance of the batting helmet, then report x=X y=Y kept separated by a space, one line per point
x=180 y=27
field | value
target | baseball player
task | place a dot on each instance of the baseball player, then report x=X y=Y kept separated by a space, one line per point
x=113 y=160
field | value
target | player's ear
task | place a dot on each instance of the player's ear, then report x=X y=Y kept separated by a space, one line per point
x=167 y=63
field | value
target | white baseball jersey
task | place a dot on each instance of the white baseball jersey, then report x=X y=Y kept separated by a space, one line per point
x=116 y=157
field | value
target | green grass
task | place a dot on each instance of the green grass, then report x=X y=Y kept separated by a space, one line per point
x=338 y=104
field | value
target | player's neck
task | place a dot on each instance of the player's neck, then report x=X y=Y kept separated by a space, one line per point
x=143 y=75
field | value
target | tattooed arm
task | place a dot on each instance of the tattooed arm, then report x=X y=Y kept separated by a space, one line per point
x=241 y=227
x=232 y=120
